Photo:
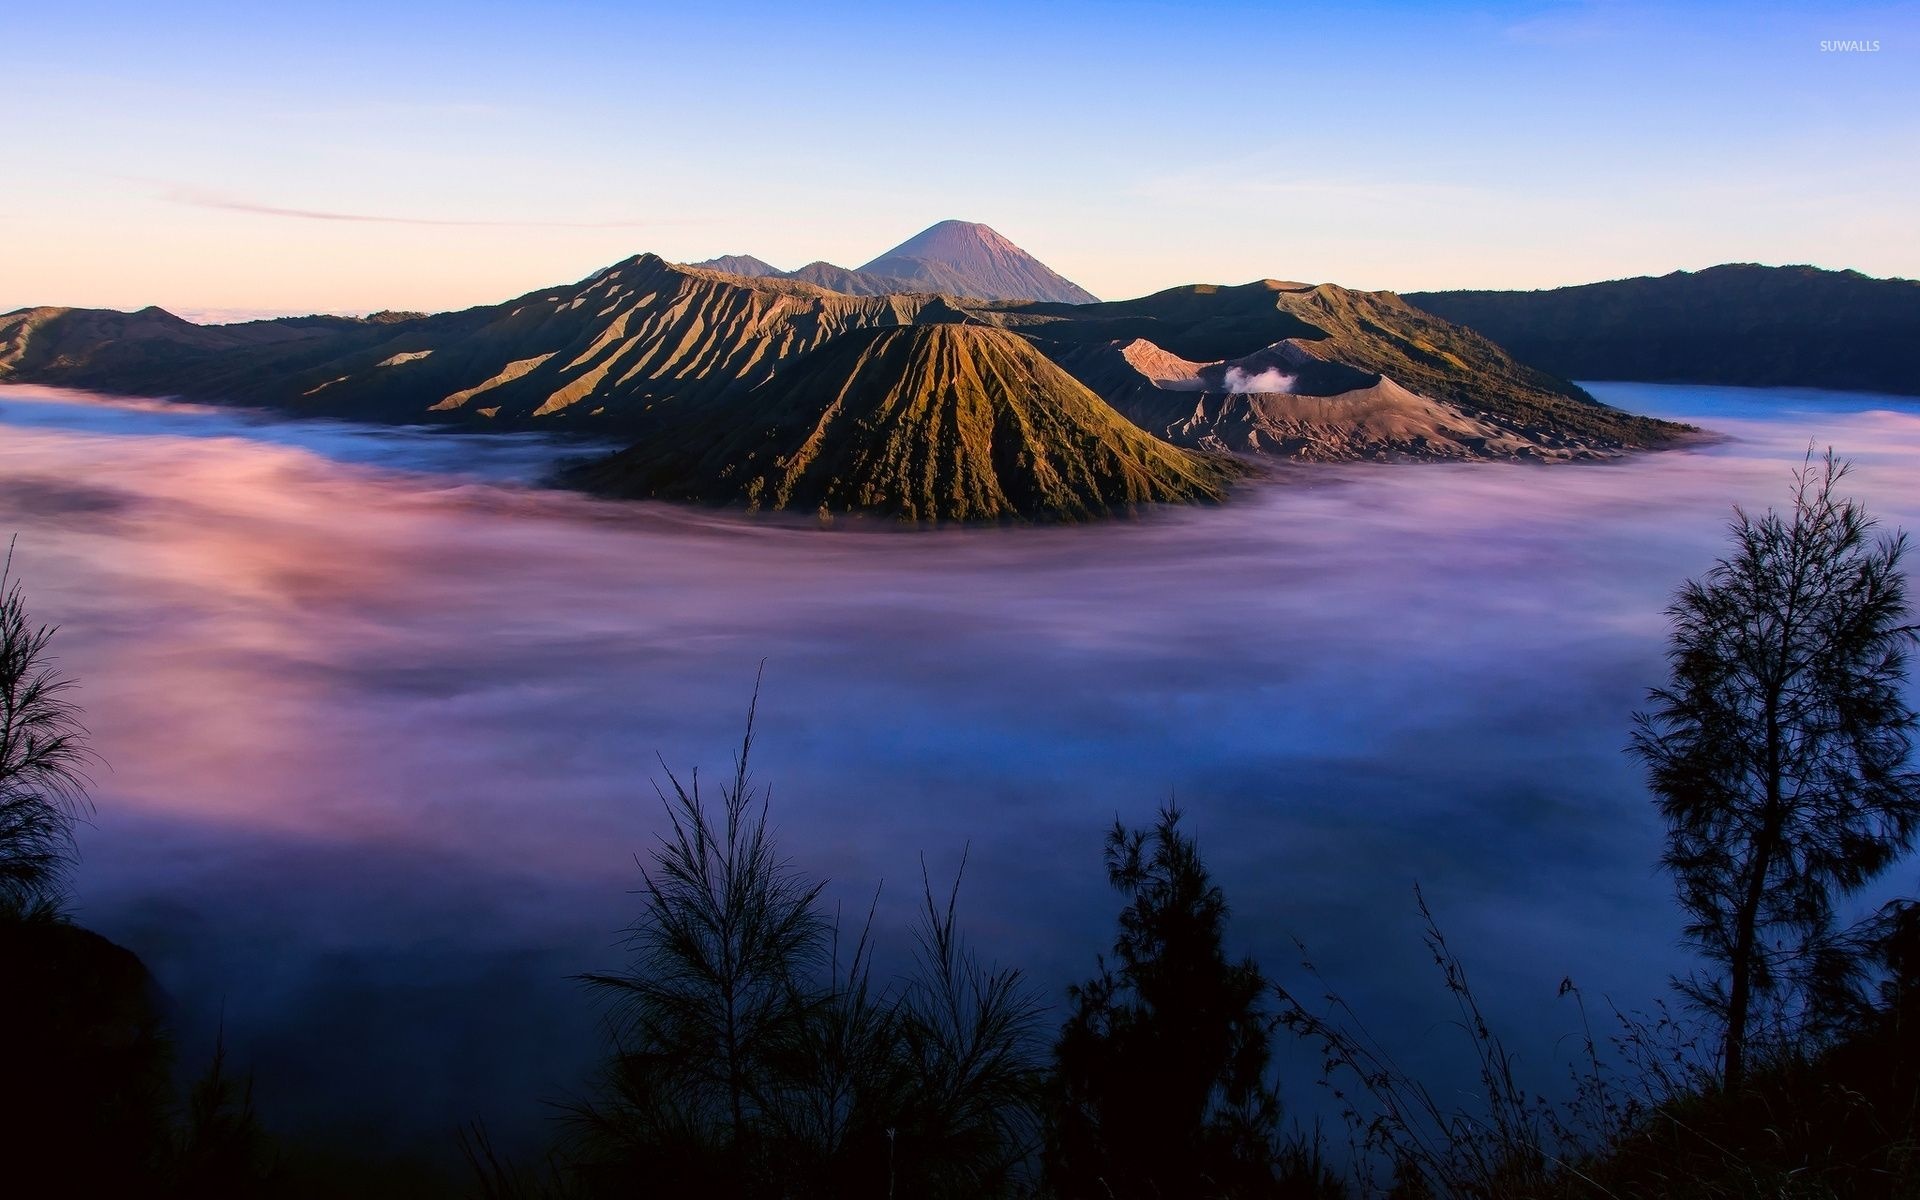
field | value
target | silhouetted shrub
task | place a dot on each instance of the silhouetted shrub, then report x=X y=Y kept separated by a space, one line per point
x=42 y=756
x=756 y=1055
x=1161 y=1068
x=1503 y=1141
x=84 y=1087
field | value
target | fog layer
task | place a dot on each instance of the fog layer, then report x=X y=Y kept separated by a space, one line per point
x=380 y=719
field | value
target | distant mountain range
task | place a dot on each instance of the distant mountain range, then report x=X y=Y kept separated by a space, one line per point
x=953 y=258
x=1739 y=324
x=776 y=393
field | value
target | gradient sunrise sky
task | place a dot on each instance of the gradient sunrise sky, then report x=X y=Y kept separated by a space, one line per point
x=346 y=157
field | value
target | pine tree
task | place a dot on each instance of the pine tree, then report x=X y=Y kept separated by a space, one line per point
x=1778 y=750
x=1162 y=1063
x=42 y=756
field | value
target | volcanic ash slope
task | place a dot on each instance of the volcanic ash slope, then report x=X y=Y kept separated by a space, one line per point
x=928 y=423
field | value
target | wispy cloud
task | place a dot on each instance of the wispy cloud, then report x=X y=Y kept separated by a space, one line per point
x=198 y=198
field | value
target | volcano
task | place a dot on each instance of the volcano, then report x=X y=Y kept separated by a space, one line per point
x=928 y=423
x=962 y=259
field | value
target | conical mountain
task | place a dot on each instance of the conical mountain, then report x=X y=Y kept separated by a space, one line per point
x=929 y=423
x=954 y=258
x=962 y=258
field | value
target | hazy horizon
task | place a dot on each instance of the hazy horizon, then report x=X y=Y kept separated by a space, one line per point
x=354 y=158
x=225 y=316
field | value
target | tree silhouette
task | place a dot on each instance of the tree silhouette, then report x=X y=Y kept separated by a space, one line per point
x=42 y=755
x=730 y=935
x=1162 y=1062
x=968 y=1038
x=756 y=1055
x=1778 y=748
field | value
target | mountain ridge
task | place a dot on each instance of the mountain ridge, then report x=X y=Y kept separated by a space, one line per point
x=683 y=361
x=1741 y=324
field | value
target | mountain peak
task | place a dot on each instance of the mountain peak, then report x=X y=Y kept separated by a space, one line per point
x=739 y=264
x=970 y=259
x=944 y=238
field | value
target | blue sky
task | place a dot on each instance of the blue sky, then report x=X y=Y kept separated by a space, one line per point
x=347 y=157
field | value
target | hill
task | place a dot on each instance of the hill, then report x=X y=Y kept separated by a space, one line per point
x=81 y=347
x=741 y=264
x=1322 y=372
x=940 y=422
x=1740 y=324
x=600 y=353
